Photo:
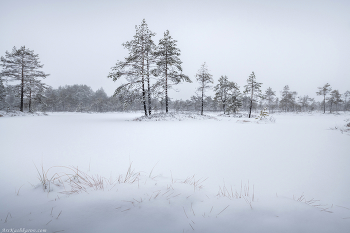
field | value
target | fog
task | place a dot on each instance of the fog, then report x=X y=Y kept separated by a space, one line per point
x=303 y=44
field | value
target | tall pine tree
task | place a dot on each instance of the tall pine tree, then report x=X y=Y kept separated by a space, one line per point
x=288 y=99
x=304 y=102
x=253 y=89
x=22 y=65
x=135 y=68
x=169 y=70
x=204 y=79
x=335 y=98
x=270 y=97
x=324 y=91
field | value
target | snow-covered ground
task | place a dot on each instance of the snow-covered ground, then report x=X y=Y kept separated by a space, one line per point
x=223 y=174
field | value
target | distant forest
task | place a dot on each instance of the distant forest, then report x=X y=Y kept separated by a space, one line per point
x=81 y=98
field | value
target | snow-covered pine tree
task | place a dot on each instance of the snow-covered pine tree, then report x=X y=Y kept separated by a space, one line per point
x=324 y=91
x=277 y=103
x=227 y=93
x=135 y=68
x=304 y=102
x=234 y=102
x=22 y=65
x=288 y=99
x=263 y=115
x=270 y=97
x=253 y=89
x=204 y=79
x=169 y=70
x=335 y=98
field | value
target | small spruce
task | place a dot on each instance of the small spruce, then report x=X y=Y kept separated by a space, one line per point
x=263 y=115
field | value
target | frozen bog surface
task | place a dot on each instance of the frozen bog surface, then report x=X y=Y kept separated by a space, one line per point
x=79 y=172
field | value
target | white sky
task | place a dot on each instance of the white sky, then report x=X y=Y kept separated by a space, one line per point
x=303 y=44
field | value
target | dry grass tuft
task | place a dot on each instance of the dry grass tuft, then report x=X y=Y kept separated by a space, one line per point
x=243 y=193
x=74 y=180
x=312 y=202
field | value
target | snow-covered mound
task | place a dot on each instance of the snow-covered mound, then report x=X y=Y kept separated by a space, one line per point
x=245 y=121
x=171 y=116
x=269 y=120
x=231 y=115
x=19 y=113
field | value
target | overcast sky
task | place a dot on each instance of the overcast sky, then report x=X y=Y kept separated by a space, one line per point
x=303 y=44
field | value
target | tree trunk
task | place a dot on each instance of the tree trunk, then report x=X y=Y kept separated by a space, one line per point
x=149 y=89
x=143 y=84
x=324 y=103
x=202 y=101
x=250 y=107
x=22 y=89
x=30 y=100
x=224 y=102
x=251 y=100
x=166 y=82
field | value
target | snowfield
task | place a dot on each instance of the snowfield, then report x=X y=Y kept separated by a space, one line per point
x=114 y=172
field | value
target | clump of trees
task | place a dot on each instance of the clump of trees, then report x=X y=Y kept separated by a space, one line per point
x=78 y=98
x=227 y=94
x=22 y=67
x=146 y=61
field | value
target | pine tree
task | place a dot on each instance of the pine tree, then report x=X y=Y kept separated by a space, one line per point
x=270 y=97
x=227 y=94
x=135 y=68
x=305 y=102
x=22 y=65
x=335 y=98
x=288 y=99
x=252 y=88
x=204 y=79
x=324 y=91
x=169 y=70
x=263 y=115
x=234 y=102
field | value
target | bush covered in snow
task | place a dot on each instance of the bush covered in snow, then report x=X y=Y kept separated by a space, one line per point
x=343 y=128
x=172 y=116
